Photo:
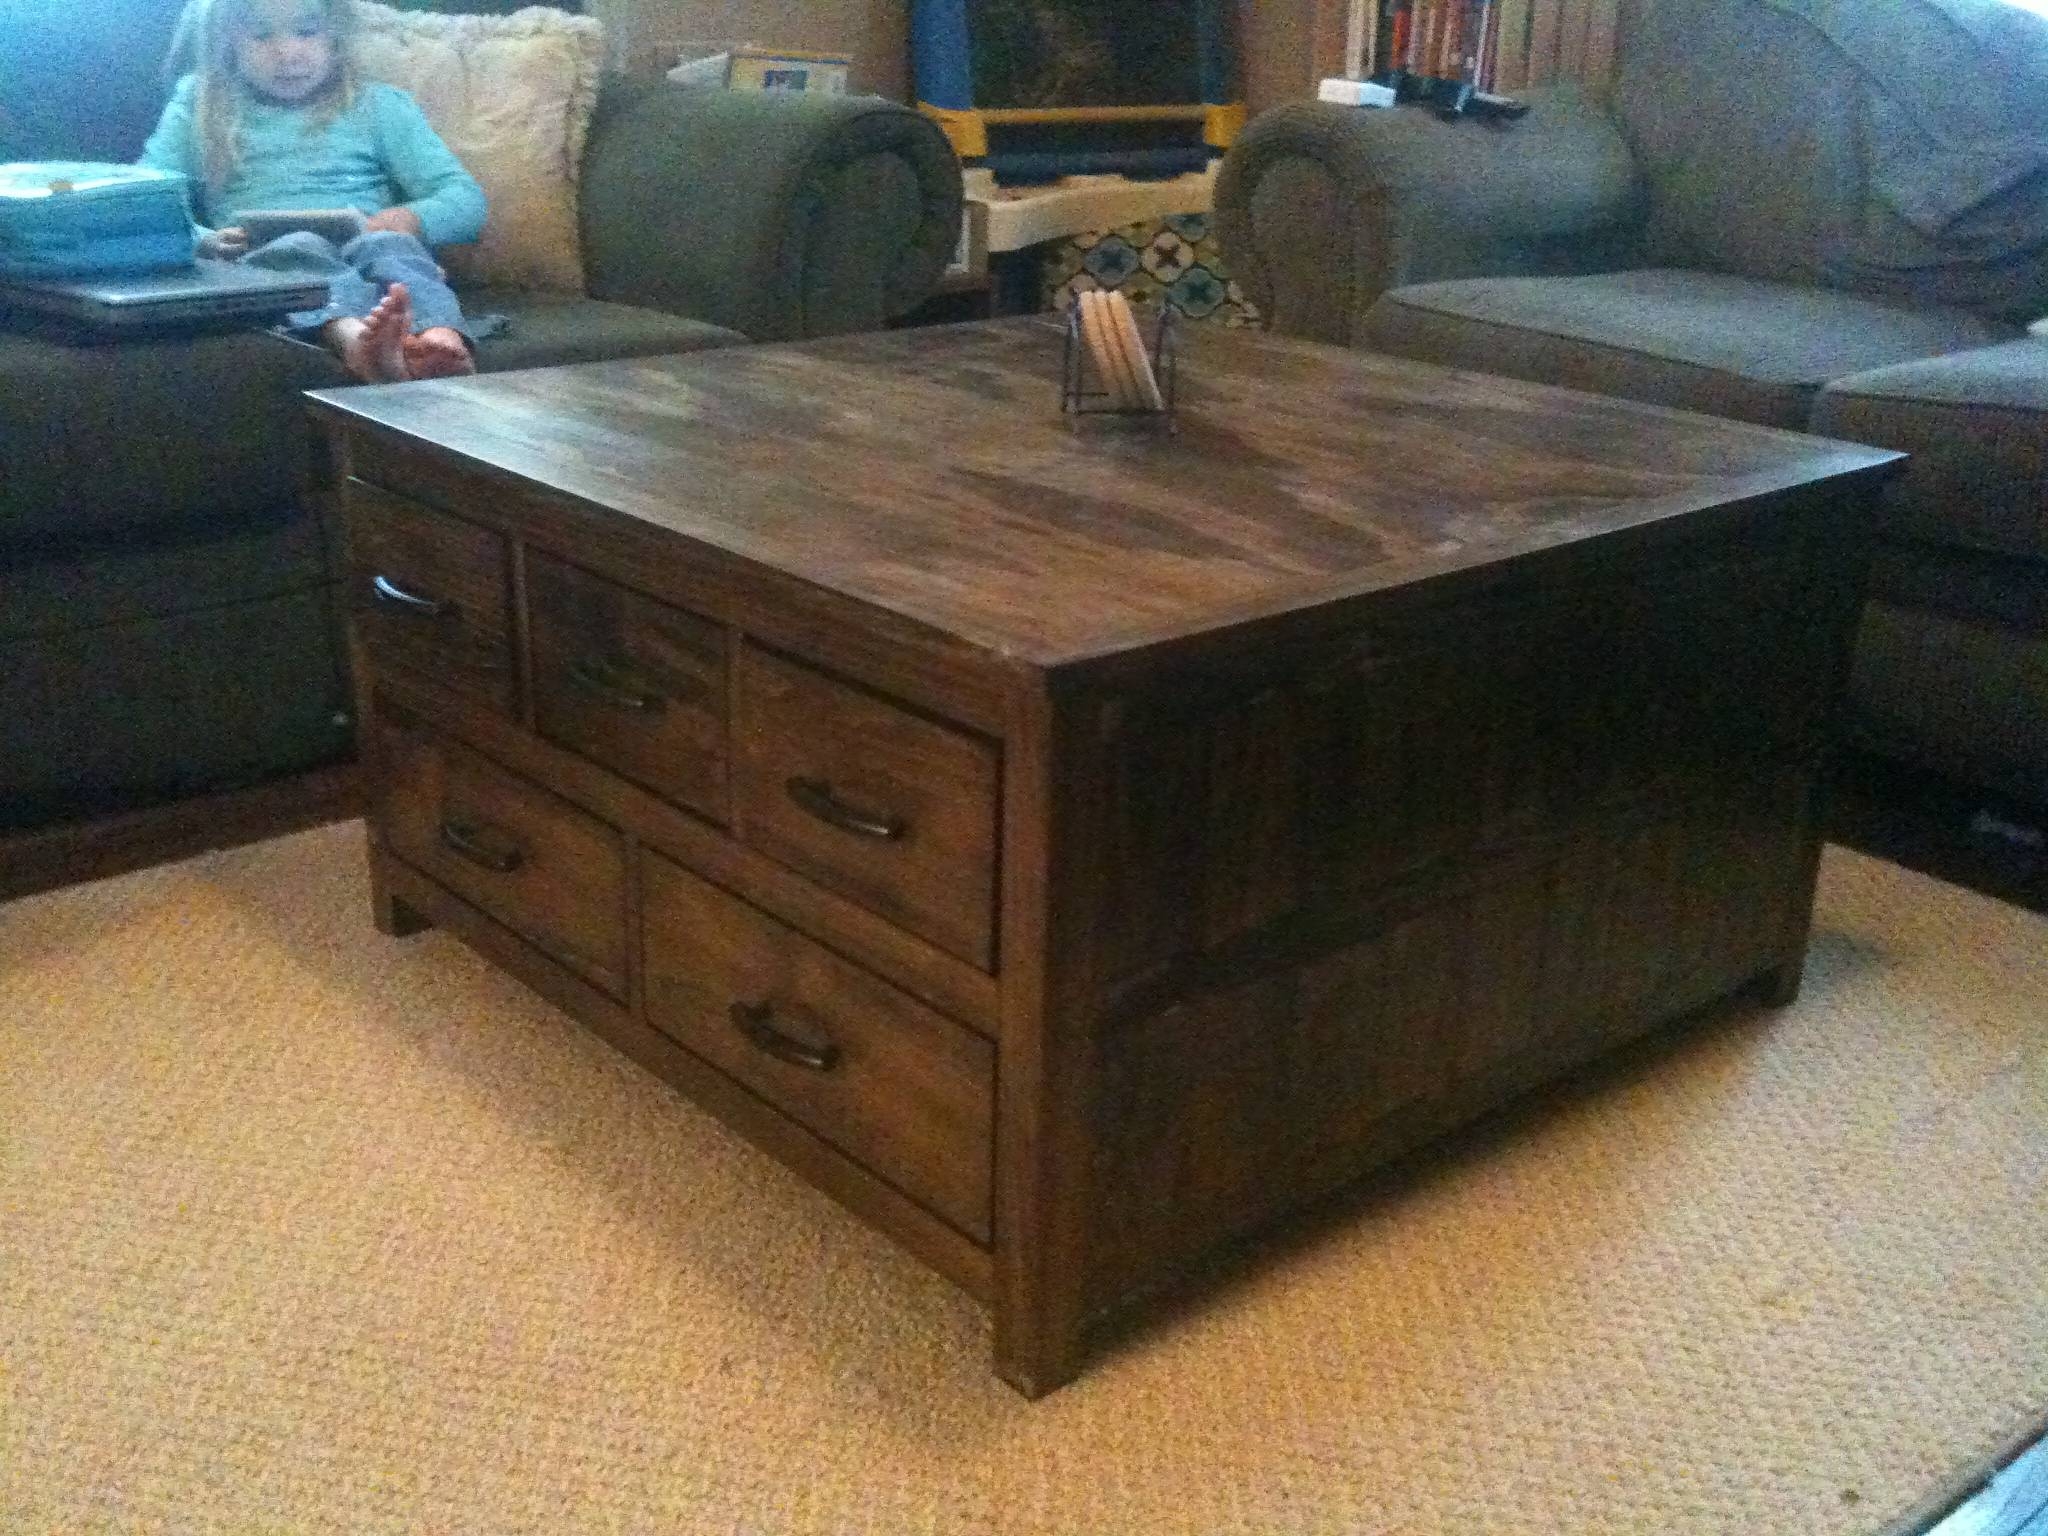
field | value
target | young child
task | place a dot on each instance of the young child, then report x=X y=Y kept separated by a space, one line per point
x=273 y=117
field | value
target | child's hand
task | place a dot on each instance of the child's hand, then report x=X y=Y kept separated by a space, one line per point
x=230 y=244
x=400 y=221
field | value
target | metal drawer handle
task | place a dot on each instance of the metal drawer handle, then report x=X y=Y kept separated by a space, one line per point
x=815 y=796
x=598 y=675
x=388 y=591
x=483 y=845
x=754 y=1021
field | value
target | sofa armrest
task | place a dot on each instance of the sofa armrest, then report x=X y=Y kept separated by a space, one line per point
x=778 y=215
x=1322 y=208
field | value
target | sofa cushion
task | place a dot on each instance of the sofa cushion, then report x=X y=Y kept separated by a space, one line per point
x=1890 y=147
x=1703 y=341
x=545 y=330
x=1992 y=590
x=512 y=96
x=98 y=441
x=1750 y=156
x=81 y=82
x=104 y=719
x=133 y=580
x=164 y=437
x=1976 y=424
x=1965 y=699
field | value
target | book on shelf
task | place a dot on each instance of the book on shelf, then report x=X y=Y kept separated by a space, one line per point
x=1454 y=40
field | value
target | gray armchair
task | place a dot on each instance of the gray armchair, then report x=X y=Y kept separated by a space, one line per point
x=1322 y=209
x=1827 y=217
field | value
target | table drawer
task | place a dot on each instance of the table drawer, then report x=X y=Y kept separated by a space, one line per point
x=898 y=1087
x=629 y=682
x=428 y=594
x=890 y=808
x=530 y=859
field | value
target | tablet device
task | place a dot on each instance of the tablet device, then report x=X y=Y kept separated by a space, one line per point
x=339 y=225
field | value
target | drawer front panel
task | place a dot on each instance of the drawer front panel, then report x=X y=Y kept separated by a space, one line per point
x=630 y=683
x=891 y=809
x=428 y=594
x=895 y=1085
x=530 y=859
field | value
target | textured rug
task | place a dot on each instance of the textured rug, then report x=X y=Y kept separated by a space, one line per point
x=302 y=1229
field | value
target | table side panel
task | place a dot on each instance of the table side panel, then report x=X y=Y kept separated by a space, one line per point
x=1352 y=903
x=528 y=818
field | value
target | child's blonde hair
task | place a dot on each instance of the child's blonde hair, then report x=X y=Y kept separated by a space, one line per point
x=205 y=45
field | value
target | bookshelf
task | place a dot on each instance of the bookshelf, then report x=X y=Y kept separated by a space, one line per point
x=1495 y=45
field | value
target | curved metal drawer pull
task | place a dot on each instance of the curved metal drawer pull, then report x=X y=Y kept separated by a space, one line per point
x=390 y=592
x=598 y=675
x=754 y=1021
x=482 y=845
x=815 y=796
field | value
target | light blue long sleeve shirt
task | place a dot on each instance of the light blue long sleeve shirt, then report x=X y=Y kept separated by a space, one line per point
x=378 y=154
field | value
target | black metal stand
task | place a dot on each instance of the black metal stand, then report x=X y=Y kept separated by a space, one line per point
x=1077 y=364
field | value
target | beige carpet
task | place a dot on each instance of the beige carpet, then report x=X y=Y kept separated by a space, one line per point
x=302 y=1229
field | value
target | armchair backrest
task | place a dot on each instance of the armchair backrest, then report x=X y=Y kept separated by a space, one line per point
x=1892 y=147
x=82 y=81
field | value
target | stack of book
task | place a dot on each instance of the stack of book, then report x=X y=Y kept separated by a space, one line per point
x=1489 y=45
x=1447 y=39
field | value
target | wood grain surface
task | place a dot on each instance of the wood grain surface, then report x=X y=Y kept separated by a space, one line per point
x=632 y=683
x=430 y=595
x=868 y=799
x=929 y=473
x=527 y=857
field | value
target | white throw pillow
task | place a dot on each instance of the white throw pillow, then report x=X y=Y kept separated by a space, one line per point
x=512 y=97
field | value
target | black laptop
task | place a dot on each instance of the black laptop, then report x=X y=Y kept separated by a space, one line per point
x=206 y=296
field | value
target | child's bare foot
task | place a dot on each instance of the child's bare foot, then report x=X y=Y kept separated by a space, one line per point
x=438 y=352
x=373 y=348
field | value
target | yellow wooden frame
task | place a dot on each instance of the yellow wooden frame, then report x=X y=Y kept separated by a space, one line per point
x=968 y=130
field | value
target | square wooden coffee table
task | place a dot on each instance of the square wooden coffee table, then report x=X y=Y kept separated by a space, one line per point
x=1075 y=846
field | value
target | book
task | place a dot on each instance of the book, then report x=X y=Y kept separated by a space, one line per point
x=1472 y=39
x=1511 y=51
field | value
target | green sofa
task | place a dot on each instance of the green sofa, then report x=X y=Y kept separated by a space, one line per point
x=168 y=613
x=1827 y=215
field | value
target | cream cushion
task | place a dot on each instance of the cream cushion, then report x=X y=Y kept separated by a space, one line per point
x=512 y=97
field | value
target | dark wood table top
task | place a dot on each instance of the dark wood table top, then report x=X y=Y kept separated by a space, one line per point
x=930 y=472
